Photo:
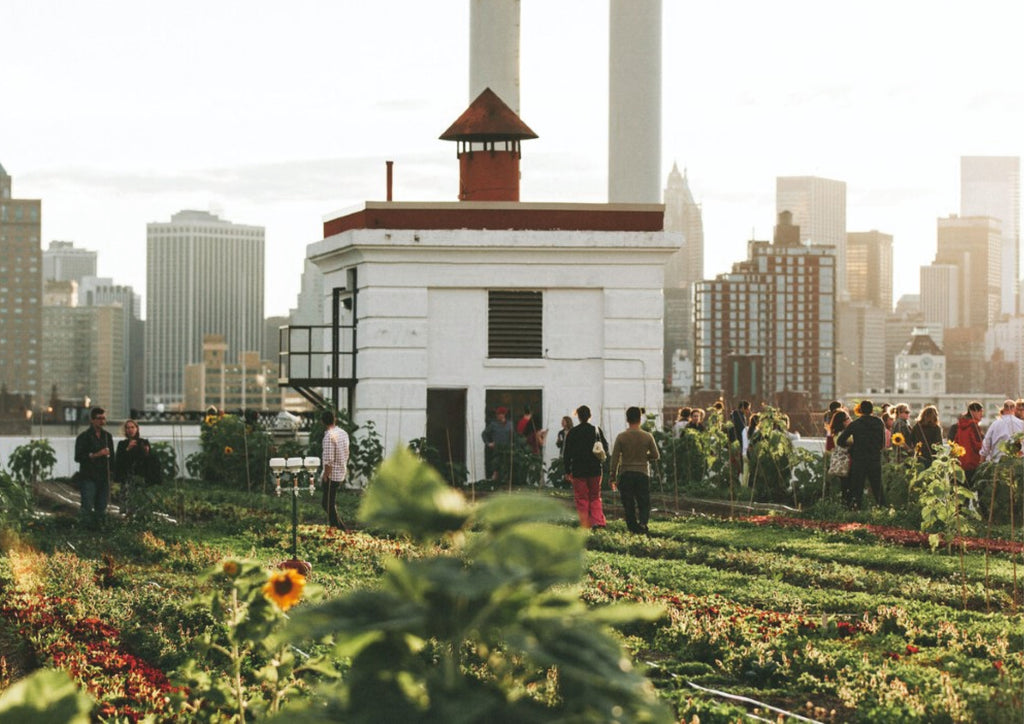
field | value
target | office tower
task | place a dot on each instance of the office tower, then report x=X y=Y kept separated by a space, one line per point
x=63 y=262
x=21 y=292
x=940 y=294
x=860 y=349
x=249 y=384
x=818 y=206
x=102 y=292
x=204 y=275
x=683 y=269
x=869 y=268
x=83 y=351
x=973 y=244
x=990 y=186
x=768 y=327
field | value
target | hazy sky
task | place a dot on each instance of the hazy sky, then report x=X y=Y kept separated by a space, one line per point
x=117 y=112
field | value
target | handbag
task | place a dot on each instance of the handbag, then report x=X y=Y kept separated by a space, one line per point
x=840 y=462
x=599 y=451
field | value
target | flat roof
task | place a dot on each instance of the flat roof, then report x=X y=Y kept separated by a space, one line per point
x=497 y=215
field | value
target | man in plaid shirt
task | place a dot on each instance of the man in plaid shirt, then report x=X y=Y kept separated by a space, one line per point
x=335 y=459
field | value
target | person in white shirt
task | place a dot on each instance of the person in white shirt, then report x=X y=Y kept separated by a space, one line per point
x=1005 y=427
x=335 y=459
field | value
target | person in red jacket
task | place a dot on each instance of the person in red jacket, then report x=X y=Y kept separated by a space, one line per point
x=968 y=436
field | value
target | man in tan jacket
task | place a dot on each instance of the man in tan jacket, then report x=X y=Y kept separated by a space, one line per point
x=633 y=452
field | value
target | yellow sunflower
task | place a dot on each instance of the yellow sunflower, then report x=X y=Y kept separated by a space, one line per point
x=957 y=449
x=228 y=449
x=210 y=420
x=898 y=439
x=856 y=410
x=285 y=588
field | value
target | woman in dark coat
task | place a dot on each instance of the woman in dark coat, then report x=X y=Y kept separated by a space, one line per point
x=925 y=433
x=131 y=460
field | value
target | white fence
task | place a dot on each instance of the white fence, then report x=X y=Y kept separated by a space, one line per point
x=183 y=438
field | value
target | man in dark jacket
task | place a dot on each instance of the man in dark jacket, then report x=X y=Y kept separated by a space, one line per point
x=583 y=469
x=868 y=433
x=94 y=453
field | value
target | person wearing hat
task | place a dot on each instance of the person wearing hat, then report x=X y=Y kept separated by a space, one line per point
x=498 y=437
x=868 y=433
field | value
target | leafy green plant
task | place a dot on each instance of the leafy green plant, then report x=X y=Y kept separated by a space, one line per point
x=253 y=674
x=455 y=473
x=166 y=460
x=231 y=450
x=493 y=631
x=15 y=501
x=32 y=461
x=770 y=456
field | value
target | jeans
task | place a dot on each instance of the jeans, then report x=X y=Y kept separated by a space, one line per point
x=95 y=496
x=635 y=491
x=329 y=499
x=587 y=495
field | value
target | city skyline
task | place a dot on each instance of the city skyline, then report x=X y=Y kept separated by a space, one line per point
x=277 y=117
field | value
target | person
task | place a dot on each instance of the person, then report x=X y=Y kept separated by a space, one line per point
x=682 y=420
x=696 y=420
x=632 y=454
x=583 y=469
x=738 y=419
x=968 y=436
x=335 y=461
x=94 y=453
x=1005 y=427
x=868 y=436
x=832 y=407
x=901 y=421
x=566 y=426
x=747 y=436
x=925 y=433
x=839 y=460
x=131 y=464
x=498 y=437
x=528 y=428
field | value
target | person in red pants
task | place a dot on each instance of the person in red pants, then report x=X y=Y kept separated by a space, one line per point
x=583 y=468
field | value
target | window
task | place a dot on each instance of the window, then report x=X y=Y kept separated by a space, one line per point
x=515 y=324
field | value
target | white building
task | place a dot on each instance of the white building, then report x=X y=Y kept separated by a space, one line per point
x=460 y=307
x=921 y=367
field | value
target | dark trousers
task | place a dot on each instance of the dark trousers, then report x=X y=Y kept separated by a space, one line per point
x=328 y=500
x=635 y=491
x=859 y=470
x=95 y=495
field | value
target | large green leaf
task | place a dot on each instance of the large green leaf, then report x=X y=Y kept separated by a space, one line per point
x=47 y=696
x=408 y=496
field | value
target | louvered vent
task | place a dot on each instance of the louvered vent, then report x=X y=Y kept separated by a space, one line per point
x=515 y=324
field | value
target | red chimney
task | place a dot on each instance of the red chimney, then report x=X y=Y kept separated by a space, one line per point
x=488 y=134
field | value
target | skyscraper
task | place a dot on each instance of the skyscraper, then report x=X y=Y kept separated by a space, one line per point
x=818 y=206
x=204 y=275
x=772 y=318
x=869 y=268
x=21 y=292
x=973 y=245
x=684 y=268
x=990 y=186
x=62 y=262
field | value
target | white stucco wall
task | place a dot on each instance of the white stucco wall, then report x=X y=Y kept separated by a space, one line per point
x=422 y=321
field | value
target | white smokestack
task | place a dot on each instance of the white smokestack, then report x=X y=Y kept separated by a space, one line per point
x=494 y=49
x=634 y=102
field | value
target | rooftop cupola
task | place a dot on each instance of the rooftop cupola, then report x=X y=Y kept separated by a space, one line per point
x=488 y=134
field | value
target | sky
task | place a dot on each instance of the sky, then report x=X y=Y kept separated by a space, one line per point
x=117 y=113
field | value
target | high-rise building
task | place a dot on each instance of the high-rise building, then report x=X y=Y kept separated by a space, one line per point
x=973 y=244
x=818 y=206
x=771 y=321
x=21 y=292
x=869 y=268
x=940 y=294
x=204 y=275
x=102 y=292
x=83 y=352
x=990 y=186
x=860 y=349
x=683 y=269
x=249 y=384
x=62 y=262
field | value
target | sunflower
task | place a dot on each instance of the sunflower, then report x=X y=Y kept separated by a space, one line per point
x=210 y=420
x=228 y=449
x=230 y=568
x=285 y=588
x=856 y=410
x=957 y=449
x=898 y=439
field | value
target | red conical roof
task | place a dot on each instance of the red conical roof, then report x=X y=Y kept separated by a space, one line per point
x=487 y=119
